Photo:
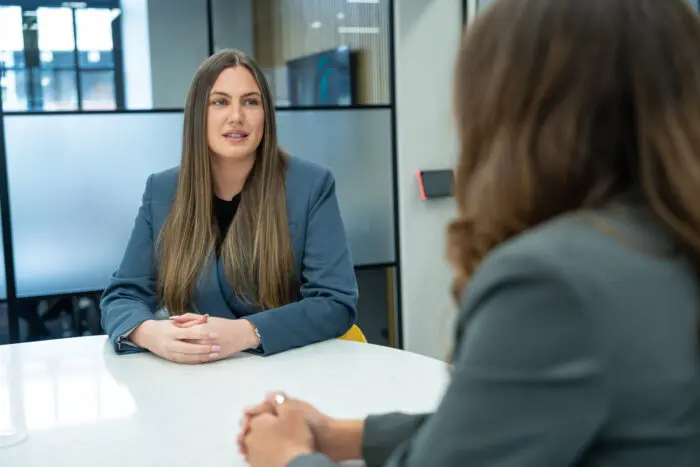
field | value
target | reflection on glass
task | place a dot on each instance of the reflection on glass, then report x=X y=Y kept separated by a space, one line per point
x=55 y=35
x=334 y=53
x=13 y=429
x=12 y=87
x=14 y=90
x=97 y=90
x=58 y=90
x=94 y=31
x=11 y=39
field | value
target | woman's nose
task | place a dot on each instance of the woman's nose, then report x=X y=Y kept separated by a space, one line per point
x=236 y=114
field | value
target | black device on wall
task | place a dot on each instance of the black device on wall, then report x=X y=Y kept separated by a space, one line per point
x=436 y=183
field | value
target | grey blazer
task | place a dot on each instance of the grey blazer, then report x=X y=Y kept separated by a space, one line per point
x=577 y=345
x=326 y=306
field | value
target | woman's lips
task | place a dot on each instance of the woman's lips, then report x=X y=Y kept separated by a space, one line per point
x=236 y=136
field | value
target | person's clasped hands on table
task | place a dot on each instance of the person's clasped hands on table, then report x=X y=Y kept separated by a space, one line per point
x=191 y=338
x=280 y=430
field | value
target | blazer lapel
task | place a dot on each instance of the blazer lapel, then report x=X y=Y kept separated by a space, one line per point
x=209 y=297
x=237 y=308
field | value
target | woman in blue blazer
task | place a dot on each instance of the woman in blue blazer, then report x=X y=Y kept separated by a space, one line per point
x=242 y=244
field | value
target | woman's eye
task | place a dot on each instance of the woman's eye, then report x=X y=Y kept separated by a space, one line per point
x=218 y=102
x=251 y=102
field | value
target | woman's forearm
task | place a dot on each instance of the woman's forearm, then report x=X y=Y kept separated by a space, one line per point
x=140 y=336
x=341 y=440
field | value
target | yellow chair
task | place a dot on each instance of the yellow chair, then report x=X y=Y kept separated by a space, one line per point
x=354 y=334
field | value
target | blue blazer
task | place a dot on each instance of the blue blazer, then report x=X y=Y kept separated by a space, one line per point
x=324 y=268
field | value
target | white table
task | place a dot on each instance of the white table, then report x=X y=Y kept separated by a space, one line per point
x=83 y=405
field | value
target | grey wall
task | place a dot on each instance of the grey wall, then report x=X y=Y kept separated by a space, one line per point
x=426 y=140
x=159 y=76
x=137 y=58
x=233 y=24
x=179 y=44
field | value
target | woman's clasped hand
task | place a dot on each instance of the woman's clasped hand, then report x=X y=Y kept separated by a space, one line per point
x=280 y=429
x=193 y=338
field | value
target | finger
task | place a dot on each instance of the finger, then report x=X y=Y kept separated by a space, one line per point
x=185 y=358
x=187 y=324
x=191 y=320
x=291 y=412
x=201 y=341
x=186 y=317
x=194 y=333
x=241 y=444
x=252 y=412
x=261 y=421
x=182 y=347
x=262 y=407
x=245 y=424
x=274 y=398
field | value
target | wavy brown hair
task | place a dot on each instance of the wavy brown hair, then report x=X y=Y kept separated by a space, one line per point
x=564 y=105
x=257 y=251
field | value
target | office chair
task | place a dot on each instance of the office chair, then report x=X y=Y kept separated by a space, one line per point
x=354 y=334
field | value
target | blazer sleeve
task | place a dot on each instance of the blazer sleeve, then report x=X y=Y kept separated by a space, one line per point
x=528 y=386
x=327 y=308
x=130 y=298
x=383 y=434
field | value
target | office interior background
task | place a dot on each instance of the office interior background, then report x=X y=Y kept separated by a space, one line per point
x=92 y=98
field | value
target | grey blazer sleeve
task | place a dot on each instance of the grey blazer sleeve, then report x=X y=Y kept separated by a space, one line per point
x=527 y=387
x=312 y=460
x=130 y=298
x=384 y=433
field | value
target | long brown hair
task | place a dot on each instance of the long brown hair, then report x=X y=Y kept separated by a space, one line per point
x=257 y=251
x=565 y=105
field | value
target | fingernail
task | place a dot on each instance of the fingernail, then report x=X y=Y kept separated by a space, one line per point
x=213 y=335
x=215 y=348
x=214 y=355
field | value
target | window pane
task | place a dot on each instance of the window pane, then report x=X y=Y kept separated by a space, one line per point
x=56 y=41
x=317 y=53
x=58 y=90
x=14 y=90
x=97 y=88
x=94 y=31
x=11 y=38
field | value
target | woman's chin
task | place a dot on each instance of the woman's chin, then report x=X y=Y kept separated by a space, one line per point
x=234 y=155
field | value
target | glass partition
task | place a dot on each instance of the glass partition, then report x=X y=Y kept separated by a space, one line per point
x=324 y=53
x=356 y=145
x=76 y=183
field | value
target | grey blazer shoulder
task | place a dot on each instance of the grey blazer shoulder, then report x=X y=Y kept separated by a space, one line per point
x=577 y=344
x=326 y=305
x=305 y=182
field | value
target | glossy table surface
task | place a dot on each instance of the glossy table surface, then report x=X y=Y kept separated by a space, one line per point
x=82 y=405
